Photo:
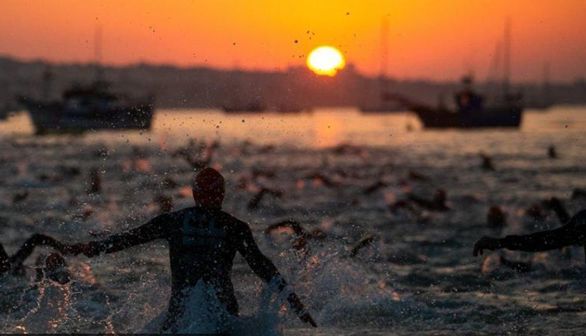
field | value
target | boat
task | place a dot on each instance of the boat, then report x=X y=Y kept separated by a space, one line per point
x=472 y=110
x=89 y=108
x=382 y=104
x=255 y=106
x=471 y=114
x=4 y=112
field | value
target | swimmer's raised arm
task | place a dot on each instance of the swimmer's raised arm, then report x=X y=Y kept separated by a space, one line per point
x=573 y=233
x=152 y=230
x=37 y=240
x=264 y=268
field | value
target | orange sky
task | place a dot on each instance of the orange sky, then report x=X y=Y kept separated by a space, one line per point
x=438 y=39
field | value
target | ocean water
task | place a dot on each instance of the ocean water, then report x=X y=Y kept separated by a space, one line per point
x=417 y=276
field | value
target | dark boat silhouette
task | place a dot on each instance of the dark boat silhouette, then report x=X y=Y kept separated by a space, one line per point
x=251 y=107
x=85 y=108
x=472 y=109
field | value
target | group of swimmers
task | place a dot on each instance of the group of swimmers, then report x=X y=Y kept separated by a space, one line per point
x=203 y=241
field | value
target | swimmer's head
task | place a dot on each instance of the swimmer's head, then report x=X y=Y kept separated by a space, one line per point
x=208 y=188
x=55 y=268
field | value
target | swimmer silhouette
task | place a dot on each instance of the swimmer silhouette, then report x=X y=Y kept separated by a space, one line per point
x=572 y=233
x=203 y=241
x=54 y=265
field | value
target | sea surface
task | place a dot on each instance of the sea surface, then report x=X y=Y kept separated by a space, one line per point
x=416 y=276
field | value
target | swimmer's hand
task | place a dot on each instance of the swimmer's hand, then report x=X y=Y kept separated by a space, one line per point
x=308 y=319
x=486 y=243
x=300 y=310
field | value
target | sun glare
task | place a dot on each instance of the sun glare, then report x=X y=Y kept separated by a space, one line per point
x=326 y=61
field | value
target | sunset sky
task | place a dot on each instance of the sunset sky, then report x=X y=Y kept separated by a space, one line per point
x=436 y=39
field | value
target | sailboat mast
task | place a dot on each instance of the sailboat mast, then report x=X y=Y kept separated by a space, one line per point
x=384 y=47
x=98 y=52
x=507 y=58
x=384 y=61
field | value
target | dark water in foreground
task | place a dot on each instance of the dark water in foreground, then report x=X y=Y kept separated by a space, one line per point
x=417 y=277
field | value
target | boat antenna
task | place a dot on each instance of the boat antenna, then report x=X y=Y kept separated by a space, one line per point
x=507 y=57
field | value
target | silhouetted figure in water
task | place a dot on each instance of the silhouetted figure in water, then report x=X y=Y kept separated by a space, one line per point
x=496 y=218
x=416 y=176
x=300 y=234
x=572 y=233
x=54 y=264
x=203 y=241
x=558 y=207
x=375 y=187
x=197 y=156
x=551 y=152
x=539 y=211
x=486 y=162
x=437 y=203
x=95 y=182
x=19 y=196
x=257 y=198
x=323 y=179
x=362 y=243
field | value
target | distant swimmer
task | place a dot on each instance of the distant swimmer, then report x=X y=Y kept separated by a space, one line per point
x=437 y=203
x=301 y=235
x=203 y=241
x=486 y=162
x=257 y=198
x=572 y=233
x=54 y=267
x=551 y=152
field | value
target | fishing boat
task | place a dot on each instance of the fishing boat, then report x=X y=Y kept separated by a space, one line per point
x=88 y=108
x=473 y=110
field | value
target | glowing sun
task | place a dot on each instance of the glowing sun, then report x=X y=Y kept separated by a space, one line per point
x=326 y=61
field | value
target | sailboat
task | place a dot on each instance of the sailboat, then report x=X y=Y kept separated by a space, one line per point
x=472 y=110
x=89 y=107
x=383 y=104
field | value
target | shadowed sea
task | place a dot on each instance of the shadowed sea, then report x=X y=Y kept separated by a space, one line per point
x=417 y=275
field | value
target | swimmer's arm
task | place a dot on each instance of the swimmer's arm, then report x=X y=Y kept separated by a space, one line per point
x=29 y=245
x=536 y=242
x=152 y=230
x=264 y=268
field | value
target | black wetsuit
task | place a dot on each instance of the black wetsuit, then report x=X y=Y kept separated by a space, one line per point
x=203 y=243
x=573 y=233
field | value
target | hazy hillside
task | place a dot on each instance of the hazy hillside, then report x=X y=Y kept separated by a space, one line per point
x=176 y=87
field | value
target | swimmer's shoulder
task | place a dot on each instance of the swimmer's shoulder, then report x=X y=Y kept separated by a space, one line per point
x=232 y=222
